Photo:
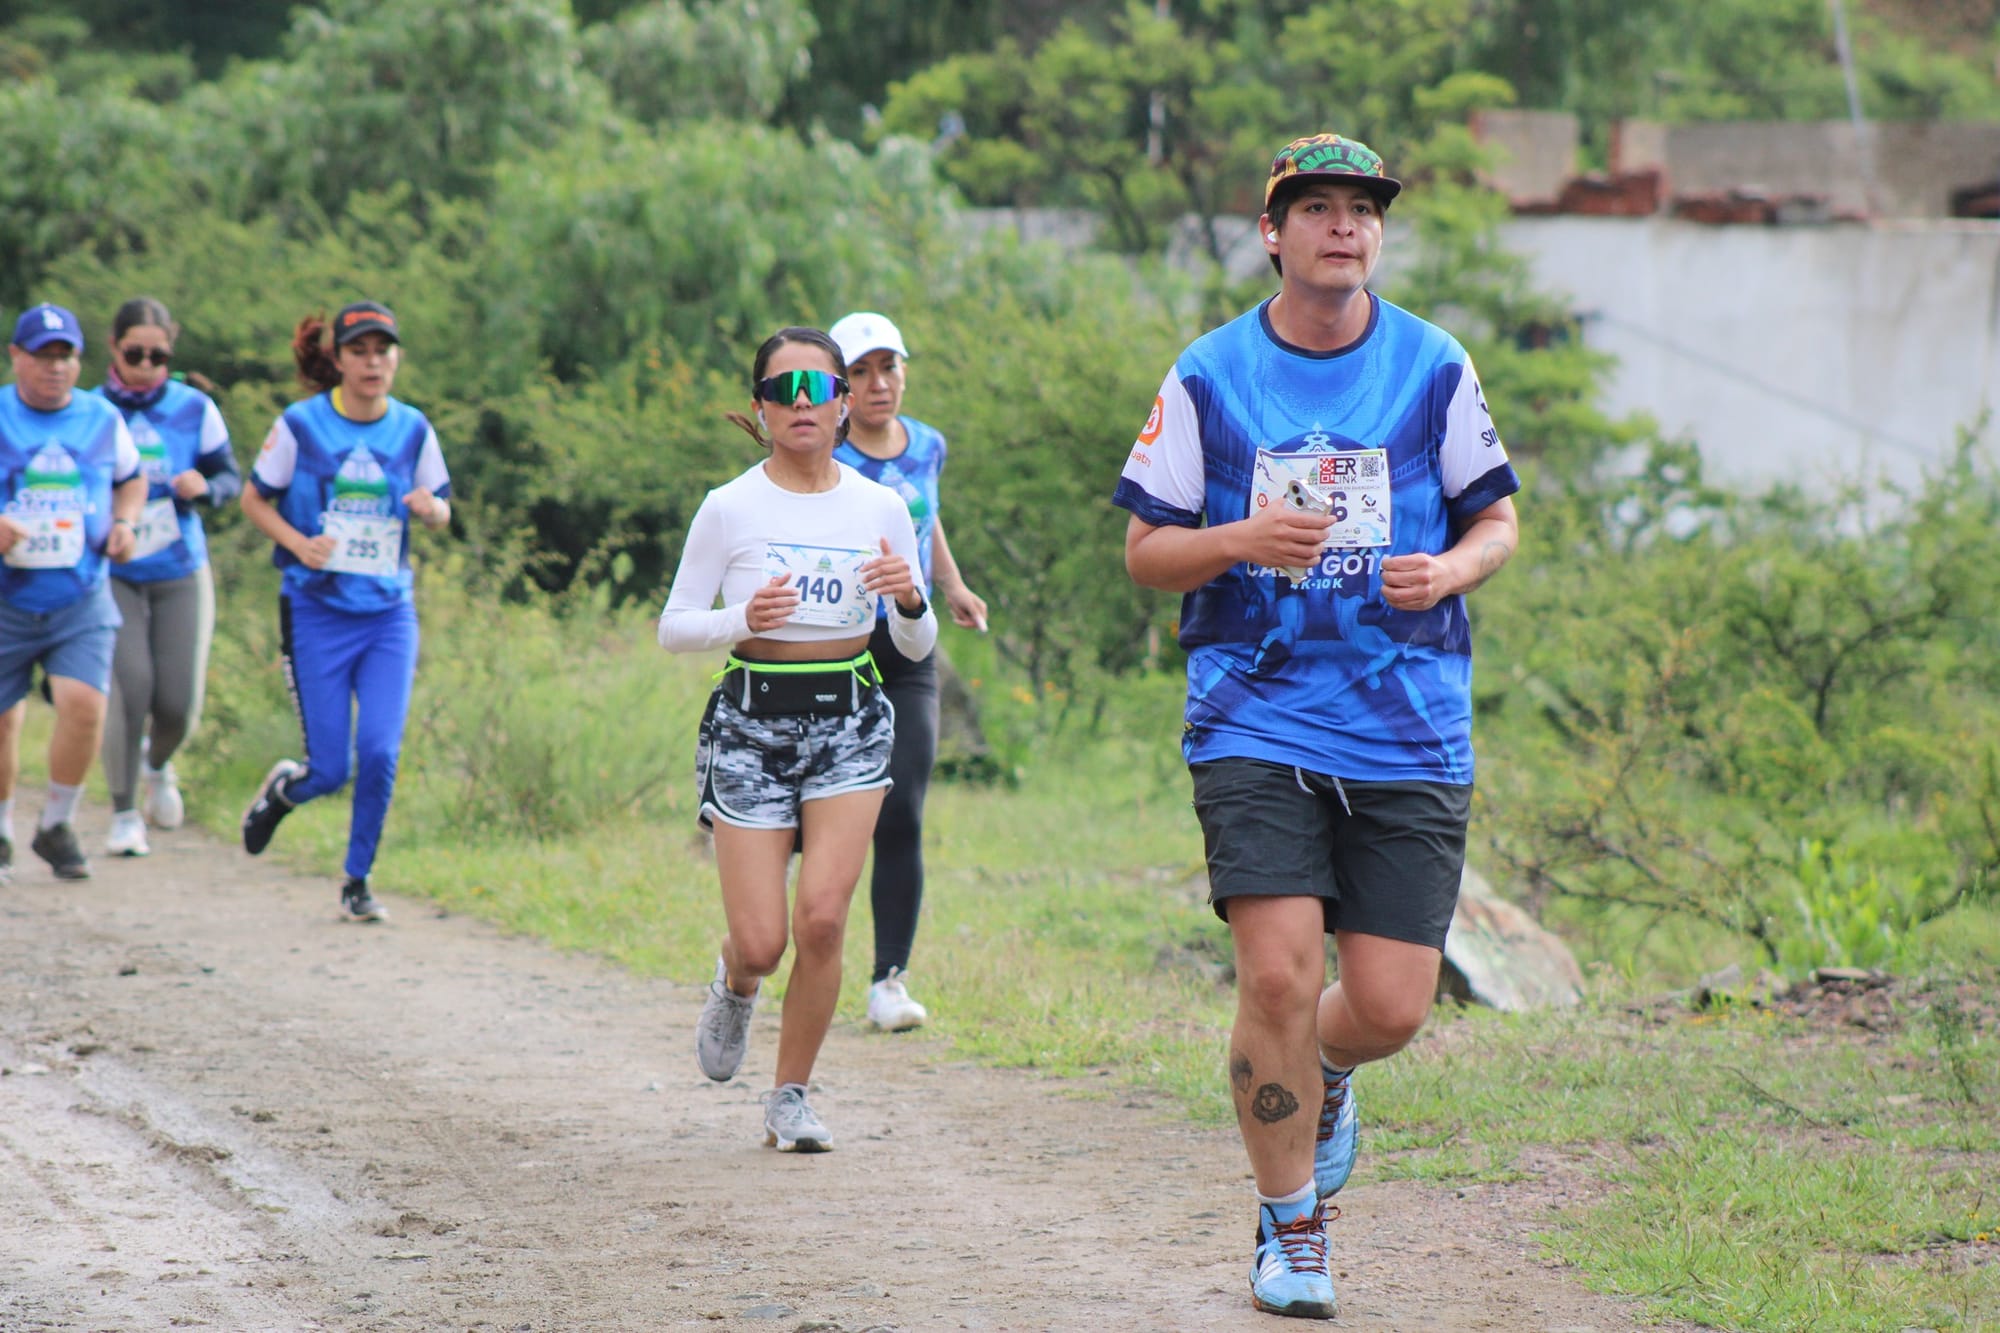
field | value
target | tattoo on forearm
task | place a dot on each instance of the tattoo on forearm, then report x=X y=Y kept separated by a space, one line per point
x=1239 y=1073
x=1492 y=555
x=1274 y=1103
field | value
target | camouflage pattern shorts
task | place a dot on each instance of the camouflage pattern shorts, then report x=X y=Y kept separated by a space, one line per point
x=755 y=772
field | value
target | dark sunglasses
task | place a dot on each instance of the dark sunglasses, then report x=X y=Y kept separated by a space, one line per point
x=139 y=356
x=819 y=386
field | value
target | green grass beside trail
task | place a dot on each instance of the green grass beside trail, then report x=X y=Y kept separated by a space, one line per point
x=1761 y=1172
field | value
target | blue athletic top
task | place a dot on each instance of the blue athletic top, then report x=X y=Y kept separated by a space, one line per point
x=1391 y=436
x=176 y=428
x=912 y=474
x=57 y=472
x=324 y=470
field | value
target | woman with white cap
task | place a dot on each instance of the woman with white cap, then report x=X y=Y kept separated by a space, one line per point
x=908 y=457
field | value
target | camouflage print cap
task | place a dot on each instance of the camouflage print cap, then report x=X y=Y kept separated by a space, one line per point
x=1328 y=157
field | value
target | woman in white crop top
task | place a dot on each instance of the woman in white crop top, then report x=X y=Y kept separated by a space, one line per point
x=793 y=751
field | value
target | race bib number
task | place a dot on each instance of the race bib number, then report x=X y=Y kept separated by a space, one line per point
x=159 y=527
x=828 y=579
x=364 y=544
x=52 y=540
x=1351 y=488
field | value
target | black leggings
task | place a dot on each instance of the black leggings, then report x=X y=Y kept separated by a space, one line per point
x=897 y=889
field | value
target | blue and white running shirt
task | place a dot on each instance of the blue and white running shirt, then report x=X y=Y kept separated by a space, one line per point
x=57 y=472
x=330 y=475
x=179 y=429
x=1393 y=434
x=913 y=474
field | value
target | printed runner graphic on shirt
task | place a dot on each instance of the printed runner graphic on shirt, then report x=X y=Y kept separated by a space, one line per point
x=828 y=579
x=361 y=518
x=49 y=505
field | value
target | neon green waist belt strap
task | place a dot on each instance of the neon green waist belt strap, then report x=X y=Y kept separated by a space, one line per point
x=800 y=689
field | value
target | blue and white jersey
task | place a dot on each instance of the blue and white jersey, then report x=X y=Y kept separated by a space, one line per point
x=1391 y=436
x=57 y=472
x=330 y=475
x=179 y=430
x=913 y=474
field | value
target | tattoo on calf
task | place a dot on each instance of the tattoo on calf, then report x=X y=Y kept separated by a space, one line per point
x=1239 y=1072
x=1273 y=1103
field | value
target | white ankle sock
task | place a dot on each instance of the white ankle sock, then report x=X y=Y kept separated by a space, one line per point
x=1303 y=1194
x=60 y=806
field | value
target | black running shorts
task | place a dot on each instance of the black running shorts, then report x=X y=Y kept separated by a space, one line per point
x=1383 y=858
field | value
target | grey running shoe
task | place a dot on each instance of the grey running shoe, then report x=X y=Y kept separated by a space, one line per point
x=58 y=846
x=789 y=1122
x=723 y=1033
x=260 y=821
x=357 y=904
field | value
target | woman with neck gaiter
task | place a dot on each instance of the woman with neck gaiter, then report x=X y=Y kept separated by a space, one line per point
x=164 y=592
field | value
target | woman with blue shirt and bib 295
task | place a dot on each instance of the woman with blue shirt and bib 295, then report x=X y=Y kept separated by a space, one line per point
x=164 y=592
x=907 y=456
x=340 y=477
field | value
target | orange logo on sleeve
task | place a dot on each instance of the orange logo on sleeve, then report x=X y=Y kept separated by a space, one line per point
x=1155 y=422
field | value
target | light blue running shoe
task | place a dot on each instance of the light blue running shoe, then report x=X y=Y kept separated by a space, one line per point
x=1338 y=1136
x=1288 y=1271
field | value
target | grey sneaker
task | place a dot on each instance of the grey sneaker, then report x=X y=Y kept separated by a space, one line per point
x=58 y=846
x=723 y=1033
x=789 y=1122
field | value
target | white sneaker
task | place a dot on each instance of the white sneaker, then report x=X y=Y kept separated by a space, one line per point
x=890 y=1007
x=164 y=808
x=128 y=835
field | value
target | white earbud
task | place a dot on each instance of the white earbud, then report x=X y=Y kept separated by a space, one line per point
x=1271 y=236
x=761 y=423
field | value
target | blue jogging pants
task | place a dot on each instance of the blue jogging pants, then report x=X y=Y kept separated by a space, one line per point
x=350 y=677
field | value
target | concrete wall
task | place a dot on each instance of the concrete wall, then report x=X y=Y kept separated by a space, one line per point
x=1813 y=354
x=1895 y=170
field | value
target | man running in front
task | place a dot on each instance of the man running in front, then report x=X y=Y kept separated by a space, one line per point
x=1321 y=479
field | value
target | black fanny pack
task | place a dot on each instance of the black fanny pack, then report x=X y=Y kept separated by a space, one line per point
x=800 y=689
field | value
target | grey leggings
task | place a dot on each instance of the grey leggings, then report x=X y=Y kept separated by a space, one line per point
x=157 y=673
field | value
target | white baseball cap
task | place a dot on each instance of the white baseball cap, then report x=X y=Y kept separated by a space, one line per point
x=864 y=331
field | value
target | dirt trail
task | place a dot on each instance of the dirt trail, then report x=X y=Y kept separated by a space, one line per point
x=226 y=1109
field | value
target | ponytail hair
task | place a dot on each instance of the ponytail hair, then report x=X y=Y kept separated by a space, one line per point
x=312 y=348
x=792 y=333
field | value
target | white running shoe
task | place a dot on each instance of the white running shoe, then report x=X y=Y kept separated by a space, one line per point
x=722 y=1033
x=164 y=808
x=890 y=1007
x=128 y=835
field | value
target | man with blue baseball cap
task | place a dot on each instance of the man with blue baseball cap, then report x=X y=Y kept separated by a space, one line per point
x=71 y=490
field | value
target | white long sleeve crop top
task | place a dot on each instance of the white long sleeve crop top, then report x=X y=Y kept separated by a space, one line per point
x=750 y=530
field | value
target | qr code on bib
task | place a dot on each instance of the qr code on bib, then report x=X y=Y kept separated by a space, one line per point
x=1351 y=469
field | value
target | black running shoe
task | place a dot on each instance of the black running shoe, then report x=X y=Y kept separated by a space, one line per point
x=357 y=904
x=58 y=846
x=261 y=820
x=6 y=860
